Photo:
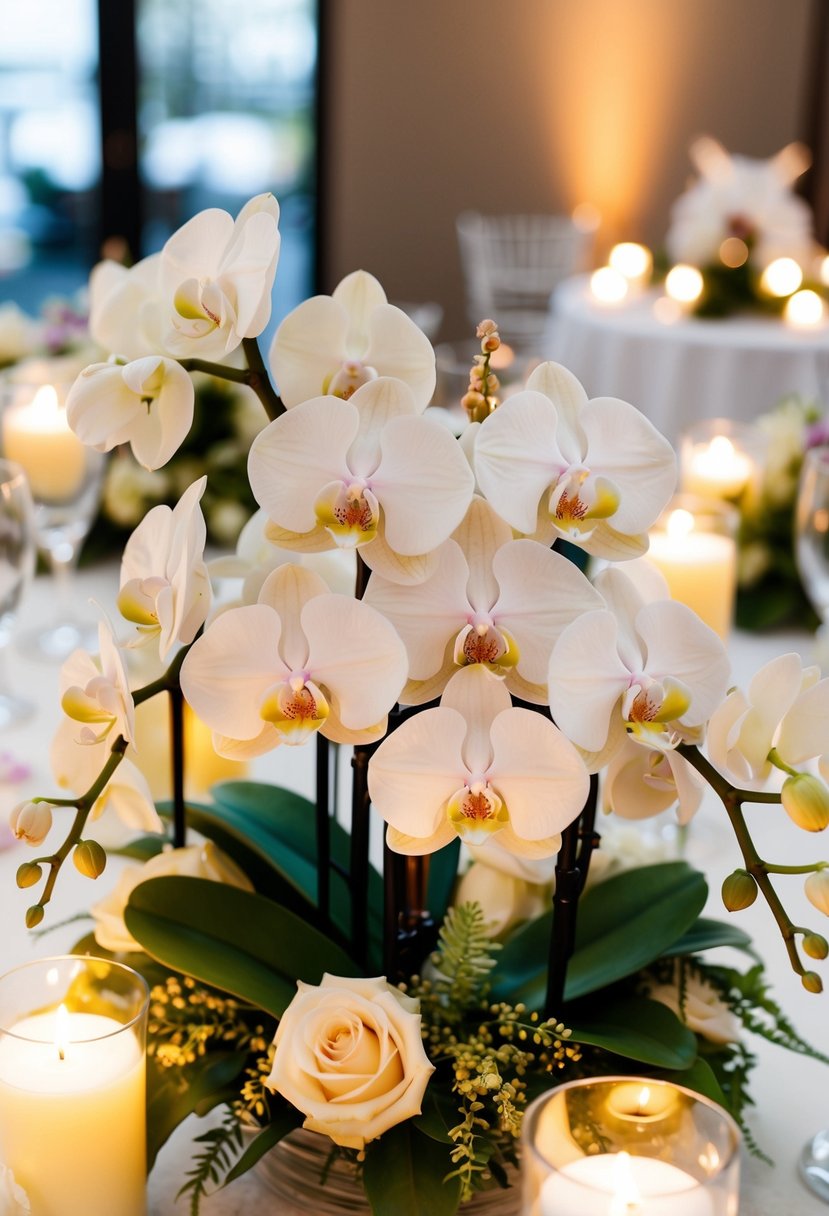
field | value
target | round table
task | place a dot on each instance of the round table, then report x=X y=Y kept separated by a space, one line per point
x=682 y=370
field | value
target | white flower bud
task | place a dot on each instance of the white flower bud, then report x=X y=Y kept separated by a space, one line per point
x=31 y=821
x=817 y=890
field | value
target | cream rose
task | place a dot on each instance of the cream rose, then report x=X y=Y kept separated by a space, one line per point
x=703 y=1010
x=349 y=1055
x=195 y=861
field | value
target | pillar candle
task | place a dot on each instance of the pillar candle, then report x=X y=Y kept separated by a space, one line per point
x=72 y=1114
x=717 y=469
x=700 y=568
x=37 y=435
x=616 y=1184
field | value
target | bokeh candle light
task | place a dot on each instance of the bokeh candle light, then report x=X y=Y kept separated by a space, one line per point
x=37 y=436
x=634 y=262
x=608 y=286
x=781 y=277
x=693 y=546
x=804 y=310
x=684 y=284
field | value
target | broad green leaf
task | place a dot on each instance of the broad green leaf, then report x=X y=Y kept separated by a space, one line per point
x=405 y=1175
x=169 y=1102
x=235 y=940
x=282 y=1122
x=143 y=847
x=439 y=1115
x=705 y=934
x=639 y=1029
x=623 y=924
x=701 y=1079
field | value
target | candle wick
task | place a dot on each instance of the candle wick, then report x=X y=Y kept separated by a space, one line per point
x=61 y=1055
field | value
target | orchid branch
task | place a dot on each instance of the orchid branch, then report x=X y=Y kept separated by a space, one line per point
x=255 y=376
x=732 y=799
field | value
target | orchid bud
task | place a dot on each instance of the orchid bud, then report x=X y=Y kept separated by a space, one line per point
x=28 y=874
x=739 y=891
x=31 y=821
x=817 y=891
x=34 y=916
x=815 y=945
x=486 y=328
x=806 y=801
x=89 y=858
x=811 y=981
x=490 y=344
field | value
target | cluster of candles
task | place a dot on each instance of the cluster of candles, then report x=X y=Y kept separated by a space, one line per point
x=630 y=266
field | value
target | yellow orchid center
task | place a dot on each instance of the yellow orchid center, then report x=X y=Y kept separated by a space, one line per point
x=349 y=512
x=482 y=642
x=296 y=707
x=579 y=501
x=476 y=812
x=137 y=601
x=200 y=307
x=348 y=378
x=651 y=710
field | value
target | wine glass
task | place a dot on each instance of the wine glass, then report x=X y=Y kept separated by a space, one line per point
x=812 y=540
x=65 y=479
x=17 y=560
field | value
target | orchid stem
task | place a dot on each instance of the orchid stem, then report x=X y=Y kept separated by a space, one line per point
x=177 y=755
x=255 y=376
x=732 y=799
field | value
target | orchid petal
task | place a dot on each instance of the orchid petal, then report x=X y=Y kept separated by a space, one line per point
x=397 y=347
x=296 y=455
x=540 y=594
x=626 y=791
x=379 y=556
x=423 y=483
x=626 y=447
x=247 y=749
x=228 y=670
x=428 y=615
x=724 y=729
x=416 y=769
x=418 y=692
x=479 y=696
x=250 y=264
x=569 y=398
x=538 y=773
x=678 y=644
x=530 y=850
x=356 y=655
x=605 y=542
x=624 y=599
x=480 y=534
x=194 y=250
x=586 y=679
x=318 y=540
x=376 y=403
x=804 y=731
x=100 y=408
x=419 y=846
x=307 y=349
x=517 y=457
x=287 y=590
x=358 y=294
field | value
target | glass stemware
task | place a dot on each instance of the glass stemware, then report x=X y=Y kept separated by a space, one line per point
x=812 y=541
x=17 y=559
x=65 y=479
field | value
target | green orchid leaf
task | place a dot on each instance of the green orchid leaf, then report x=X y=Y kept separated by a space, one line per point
x=235 y=940
x=705 y=934
x=638 y=1029
x=169 y=1102
x=282 y=1122
x=438 y=1116
x=623 y=924
x=701 y=1079
x=405 y=1175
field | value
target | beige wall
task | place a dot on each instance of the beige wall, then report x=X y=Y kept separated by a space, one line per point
x=537 y=105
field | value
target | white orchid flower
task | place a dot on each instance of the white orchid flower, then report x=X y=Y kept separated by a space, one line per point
x=125 y=308
x=477 y=767
x=256 y=557
x=491 y=600
x=147 y=403
x=334 y=344
x=641 y=782
x=653 y=670
x=300 y=660
x=165 y=587
x=216 y=277
x=95 y=692
x=368 y=472
x=786 y=709
x=596 y=473
x=126 y=794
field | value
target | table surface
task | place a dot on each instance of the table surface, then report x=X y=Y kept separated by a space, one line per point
x=790 y=1092
x=681 y=370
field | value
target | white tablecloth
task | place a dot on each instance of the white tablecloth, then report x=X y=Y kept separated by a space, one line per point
x=679 y=372
x=790 y=1091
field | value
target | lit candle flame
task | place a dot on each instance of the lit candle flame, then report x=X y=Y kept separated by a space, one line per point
x=61 y=1031
x=680 y=524
x=644 y=1098
x=45 y=399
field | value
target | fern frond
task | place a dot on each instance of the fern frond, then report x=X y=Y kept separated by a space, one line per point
x=221 y=1148
x=464 y=957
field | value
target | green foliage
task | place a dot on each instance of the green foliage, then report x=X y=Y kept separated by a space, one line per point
x=231 y=939
x=221 y=1146
x=405 y=1174
x=171 y=1097
x=463 y=960
x=637 y=1029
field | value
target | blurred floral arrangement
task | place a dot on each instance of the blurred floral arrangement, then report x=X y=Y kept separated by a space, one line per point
x=481 y=682
x=739 y=239
x=769 y=590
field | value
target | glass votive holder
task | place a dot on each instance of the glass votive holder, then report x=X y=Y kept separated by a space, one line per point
x=73 y=1085
x=623 y=1146
x=722 y=458
x=694 y=545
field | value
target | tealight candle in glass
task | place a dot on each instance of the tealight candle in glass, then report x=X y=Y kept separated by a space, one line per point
x=693 y=544
x=73 y=1086
x=596 y=1147
x=721 y=458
